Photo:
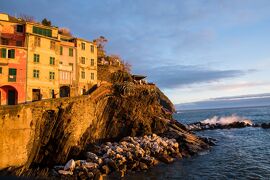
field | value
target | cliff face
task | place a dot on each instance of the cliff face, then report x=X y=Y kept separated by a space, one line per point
x=50 y=132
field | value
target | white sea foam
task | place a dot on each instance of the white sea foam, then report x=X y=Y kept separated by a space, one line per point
x=224 y=120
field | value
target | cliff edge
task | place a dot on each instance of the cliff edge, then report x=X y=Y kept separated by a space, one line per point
x=42 y=134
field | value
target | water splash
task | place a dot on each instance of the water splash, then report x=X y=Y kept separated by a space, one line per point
x=224 y=120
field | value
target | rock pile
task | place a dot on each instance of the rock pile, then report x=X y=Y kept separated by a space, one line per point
x=130 y=154
x=265 y=125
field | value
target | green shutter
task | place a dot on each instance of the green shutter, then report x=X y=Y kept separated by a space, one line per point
x=3 y=53
x=13 y=53
x=12 y=72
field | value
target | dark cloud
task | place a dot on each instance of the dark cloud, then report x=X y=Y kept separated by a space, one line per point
x=178 y=75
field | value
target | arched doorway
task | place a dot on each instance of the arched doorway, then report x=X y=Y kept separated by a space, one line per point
x=64 y=91
x=9 y=95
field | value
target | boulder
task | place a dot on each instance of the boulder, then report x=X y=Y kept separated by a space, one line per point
x=91 y=156
x=165 y=158
x=143 y=166
x=89 y=165
x=265 y=125
x=105 y=169
x=70 y=165
x=63 y=172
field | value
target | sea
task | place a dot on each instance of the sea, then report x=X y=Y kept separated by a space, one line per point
x=238 y=154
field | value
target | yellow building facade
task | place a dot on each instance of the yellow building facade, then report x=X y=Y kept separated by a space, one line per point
x=67 y=67
x=86 y=65
x=42 y=62
x=36 y=62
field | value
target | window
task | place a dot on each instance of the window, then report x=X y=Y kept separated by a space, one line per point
x=92 y=62
x=60 y=62
x=19 y=43
x=4 y=41
x=70 y=52
x=36 y=58
x=52 y=75
x=83 y=46
x=52 y=60
x=61 y=50
x=92 y=48
x=36 y=73
x=3 y=53
x=83 y=60
x=92 y=76
x=11 y=53
x=71 y=64
x=52 y=46
x=37 y=41
x=12 y=75
x=20 y=28
x=83 y=75
x=1 y=70
x=42 y=31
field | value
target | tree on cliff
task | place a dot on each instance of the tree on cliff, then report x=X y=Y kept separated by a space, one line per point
x=65 y=32
x=100 y=42
x=46 y=22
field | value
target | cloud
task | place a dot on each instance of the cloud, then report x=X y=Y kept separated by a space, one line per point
x=179 y=75
x=249 y=100
x=242 y=97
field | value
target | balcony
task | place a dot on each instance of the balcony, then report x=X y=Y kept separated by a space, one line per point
x=65 y=67
x=11 y=78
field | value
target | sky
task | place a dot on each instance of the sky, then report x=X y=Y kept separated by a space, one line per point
x=194 y=50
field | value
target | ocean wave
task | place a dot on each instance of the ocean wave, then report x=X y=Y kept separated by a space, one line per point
x=225 y=120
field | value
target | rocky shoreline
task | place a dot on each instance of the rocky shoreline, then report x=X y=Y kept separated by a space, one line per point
x=200 y=126
x=130 y=154
x=124 y=113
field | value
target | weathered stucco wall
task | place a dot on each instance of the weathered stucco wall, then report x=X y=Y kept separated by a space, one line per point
x=23 y=128
x=16 y=136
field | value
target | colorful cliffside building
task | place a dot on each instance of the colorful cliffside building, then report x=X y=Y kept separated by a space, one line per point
x=86 y=65
x=13 y=57
x=43 y=60
x=36 y=62
x=67 y=67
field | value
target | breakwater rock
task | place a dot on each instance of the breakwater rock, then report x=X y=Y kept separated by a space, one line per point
x=199 y=126
x=226 y=122
x=130 y=154
x=37 y=136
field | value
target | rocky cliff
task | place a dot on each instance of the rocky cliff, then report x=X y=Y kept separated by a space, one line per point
x=45 y=133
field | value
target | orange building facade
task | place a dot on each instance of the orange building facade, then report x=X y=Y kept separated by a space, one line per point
x=13 y=57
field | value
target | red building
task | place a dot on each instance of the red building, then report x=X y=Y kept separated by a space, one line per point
x=13 y=57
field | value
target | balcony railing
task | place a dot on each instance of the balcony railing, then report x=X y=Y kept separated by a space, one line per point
x=65 y=67
x=11 y=78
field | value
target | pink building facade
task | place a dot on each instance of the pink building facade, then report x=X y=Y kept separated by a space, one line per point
x=13 y=56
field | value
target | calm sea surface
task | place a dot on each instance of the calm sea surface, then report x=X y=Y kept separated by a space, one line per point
x=239 y=154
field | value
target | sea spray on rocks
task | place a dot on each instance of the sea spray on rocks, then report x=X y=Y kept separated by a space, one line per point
x=130 y=154
x=224 y=122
